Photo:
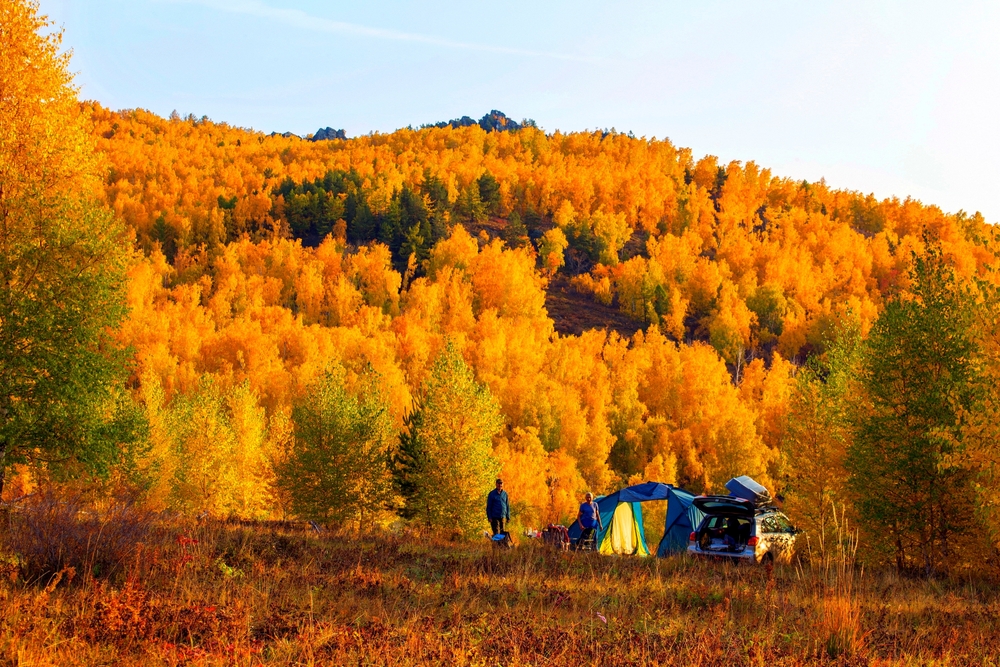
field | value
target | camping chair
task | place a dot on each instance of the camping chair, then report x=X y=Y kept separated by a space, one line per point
x=587 y=540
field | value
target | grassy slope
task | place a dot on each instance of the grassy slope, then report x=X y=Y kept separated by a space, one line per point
x=275 y=596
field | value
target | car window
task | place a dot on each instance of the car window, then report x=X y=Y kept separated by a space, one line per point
x=769 y=525
x=783 y=523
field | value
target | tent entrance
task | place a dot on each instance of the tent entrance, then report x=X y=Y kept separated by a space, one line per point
x=654 y=518
x=624 y=535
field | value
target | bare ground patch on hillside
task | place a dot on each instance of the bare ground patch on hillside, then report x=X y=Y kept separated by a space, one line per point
x=574 y=312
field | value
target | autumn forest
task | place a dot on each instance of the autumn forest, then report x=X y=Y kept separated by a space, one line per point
x=285 y=320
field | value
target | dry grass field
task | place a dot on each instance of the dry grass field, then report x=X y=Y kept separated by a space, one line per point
x=218 y=594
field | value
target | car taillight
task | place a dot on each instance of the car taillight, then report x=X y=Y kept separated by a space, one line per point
x=752 y=542
x=693 y=537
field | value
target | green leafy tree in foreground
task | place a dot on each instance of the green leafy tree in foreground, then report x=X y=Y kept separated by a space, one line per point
x=919 y=372
x=203 y=450
x=981 y=432
x=211 y=451
x=447 y=453
x=816 y=442
x=338 y=468
x=63 y=258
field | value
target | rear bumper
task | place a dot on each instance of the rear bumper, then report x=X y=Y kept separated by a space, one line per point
x=748 y=555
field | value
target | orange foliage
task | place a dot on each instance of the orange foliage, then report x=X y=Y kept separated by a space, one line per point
x=743 y=266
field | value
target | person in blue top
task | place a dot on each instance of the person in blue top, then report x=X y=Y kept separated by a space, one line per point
x=498 y=509
x=589 y=518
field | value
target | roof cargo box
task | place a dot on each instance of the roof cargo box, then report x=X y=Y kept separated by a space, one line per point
x=744 y=487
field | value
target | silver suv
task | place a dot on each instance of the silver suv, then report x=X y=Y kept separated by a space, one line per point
x=737 y=529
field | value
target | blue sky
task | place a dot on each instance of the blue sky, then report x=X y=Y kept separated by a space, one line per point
x=894 y=98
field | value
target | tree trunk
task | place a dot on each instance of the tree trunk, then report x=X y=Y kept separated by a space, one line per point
x=4 y=411
x=3 y=466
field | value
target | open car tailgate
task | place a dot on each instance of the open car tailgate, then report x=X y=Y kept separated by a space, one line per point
x=724 y=505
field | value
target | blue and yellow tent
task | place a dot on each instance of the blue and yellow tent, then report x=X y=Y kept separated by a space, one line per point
x=621 y=516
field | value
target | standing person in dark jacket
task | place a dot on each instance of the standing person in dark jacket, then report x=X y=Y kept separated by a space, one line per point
x=498 y=509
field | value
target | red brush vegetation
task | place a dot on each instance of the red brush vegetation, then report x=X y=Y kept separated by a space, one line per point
x=218 y=594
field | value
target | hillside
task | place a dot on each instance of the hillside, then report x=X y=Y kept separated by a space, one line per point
x=722 y=253
x=540 y=255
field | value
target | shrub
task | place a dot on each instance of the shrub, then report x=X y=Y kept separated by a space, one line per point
x=51 y=533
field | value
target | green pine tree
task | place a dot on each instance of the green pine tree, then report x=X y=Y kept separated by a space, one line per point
x=489 y=192
x=469 y=207
x=515 y=234
x=410 y=461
